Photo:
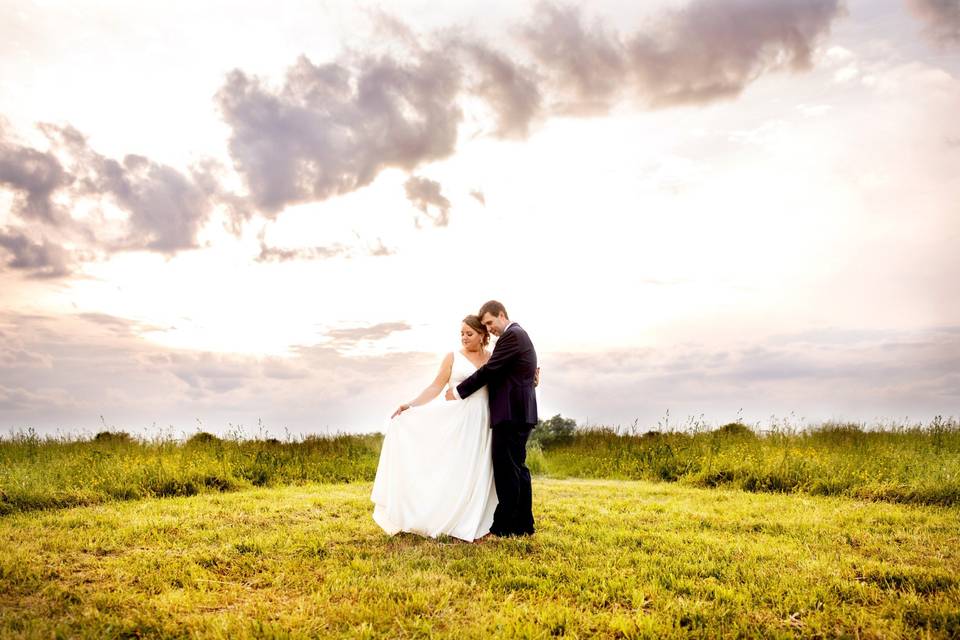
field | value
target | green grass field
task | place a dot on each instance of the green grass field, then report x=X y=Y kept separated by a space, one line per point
x=614 y=559
x=834 y=531
x=909 y=464
x=45 y=473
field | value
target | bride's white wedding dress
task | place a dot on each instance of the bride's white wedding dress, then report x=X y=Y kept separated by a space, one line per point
x=435 y=474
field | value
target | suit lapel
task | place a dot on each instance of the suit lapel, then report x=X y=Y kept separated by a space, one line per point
x=510 y=328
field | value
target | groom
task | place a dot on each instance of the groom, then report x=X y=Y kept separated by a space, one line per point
x=509 y=377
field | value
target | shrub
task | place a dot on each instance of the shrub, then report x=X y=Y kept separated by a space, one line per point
x=113 y=437
x=202 y=437
x=536 y=461
x=736 y=430
x=556 y=430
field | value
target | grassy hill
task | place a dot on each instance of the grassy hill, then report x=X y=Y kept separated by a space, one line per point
x=611 y=559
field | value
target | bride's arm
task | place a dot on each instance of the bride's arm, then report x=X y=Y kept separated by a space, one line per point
x=433 y=389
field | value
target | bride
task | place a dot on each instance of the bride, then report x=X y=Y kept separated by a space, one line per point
x=435 y=474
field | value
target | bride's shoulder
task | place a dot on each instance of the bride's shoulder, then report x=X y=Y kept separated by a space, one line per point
x=446 y=365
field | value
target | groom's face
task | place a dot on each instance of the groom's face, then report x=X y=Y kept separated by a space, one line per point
x=494 y=324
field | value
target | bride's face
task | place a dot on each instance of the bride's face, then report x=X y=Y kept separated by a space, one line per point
x=469 y=337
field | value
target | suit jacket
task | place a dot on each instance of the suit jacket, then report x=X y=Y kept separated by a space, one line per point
x=508 y=376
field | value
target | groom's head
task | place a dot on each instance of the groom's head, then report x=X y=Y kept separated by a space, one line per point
x=494 y=317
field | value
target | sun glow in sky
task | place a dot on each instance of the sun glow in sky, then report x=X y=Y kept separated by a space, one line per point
x=702 y=207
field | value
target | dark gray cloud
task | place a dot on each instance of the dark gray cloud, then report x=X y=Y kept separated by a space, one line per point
x=270 y=253
x=34 y=177
x=704 y=51
x=166 y=207
x=587 y=62
x=373 y=332
x=425 y=195
x=41 y=259
x=714 y=50
x=511 y=90
x=277 y=254
x=332 y=128
x=941 y=17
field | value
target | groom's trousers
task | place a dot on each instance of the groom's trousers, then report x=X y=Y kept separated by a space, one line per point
x=514 y=514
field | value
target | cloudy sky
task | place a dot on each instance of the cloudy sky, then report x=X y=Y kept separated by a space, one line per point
x=223 y=215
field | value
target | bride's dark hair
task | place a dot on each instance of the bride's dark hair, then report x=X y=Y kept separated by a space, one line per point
x=474 y=323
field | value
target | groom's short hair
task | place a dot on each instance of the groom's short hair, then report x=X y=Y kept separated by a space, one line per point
x=494 y=308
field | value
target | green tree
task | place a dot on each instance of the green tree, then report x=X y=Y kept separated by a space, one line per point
x=556 y=430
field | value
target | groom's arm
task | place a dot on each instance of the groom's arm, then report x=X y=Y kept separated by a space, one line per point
x=507 y=349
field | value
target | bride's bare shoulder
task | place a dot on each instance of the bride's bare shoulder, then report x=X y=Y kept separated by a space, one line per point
x=447 y=363
x=446 y=366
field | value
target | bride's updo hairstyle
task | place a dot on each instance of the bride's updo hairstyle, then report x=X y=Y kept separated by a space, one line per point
x=474 y=323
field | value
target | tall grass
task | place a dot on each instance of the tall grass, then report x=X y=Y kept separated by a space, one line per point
x=37 y=473
x=912 y=464
x=916 y=464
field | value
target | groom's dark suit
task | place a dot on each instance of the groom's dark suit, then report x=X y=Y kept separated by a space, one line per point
x=509 y=378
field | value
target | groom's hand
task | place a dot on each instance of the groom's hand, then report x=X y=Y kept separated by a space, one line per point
x=449 y=395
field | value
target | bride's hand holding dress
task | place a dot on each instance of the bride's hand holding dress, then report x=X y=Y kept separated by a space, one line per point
x=432 y=390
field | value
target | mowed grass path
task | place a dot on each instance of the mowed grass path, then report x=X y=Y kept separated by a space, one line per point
x=610 y=559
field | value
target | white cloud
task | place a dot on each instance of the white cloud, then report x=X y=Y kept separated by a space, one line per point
x=846 y=74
